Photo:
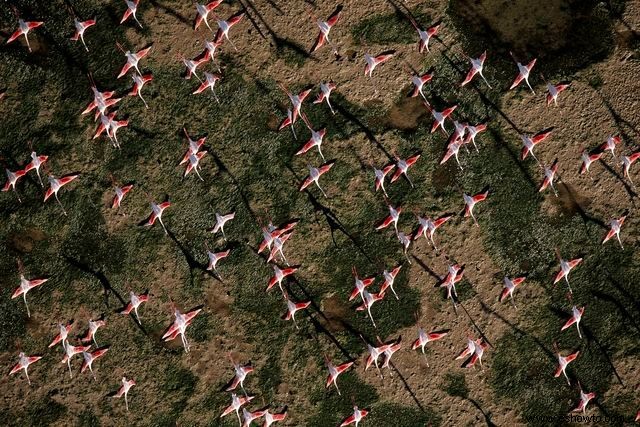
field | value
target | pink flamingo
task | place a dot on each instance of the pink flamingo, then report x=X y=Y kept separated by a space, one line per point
x=132 y=8
x=380 y=175
x=156 y=214
x=179 y=326
x=124 y=390
x=510 y=286
x=325 y=28
x=202 y=13
x=549 y=176
x=62 y=334
x=373 y=61
x=293 y=308
x=529 y=143
x=325 y=93
x=278 y=276
x=12 y=181
x=221 y=220
x=23 y=30
x=428 y=227
x=563 y=362
x=424 y=338
x=334 y=372
x=81 y=27
x=523 y=73
x=26 y=286
x=241 y=372
x=477 y=65
x=89 y=358
x=23 y=364
x=402 y=167
x=138 y=83
x=576 y=316
x=471 y=201
x=616 y=225
x=357 y=416
x=135 y=301
x=389 y=279
x=315 y=174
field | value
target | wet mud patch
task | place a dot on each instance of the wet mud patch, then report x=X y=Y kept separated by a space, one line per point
x=405 y=115
x=24 y=242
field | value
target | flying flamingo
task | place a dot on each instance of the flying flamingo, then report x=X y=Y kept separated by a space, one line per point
x=549 y=176
x=23 y=30
x=473 y=131
x=81 y=27
x=529 y=143
x=390 y=351
x=454 y=275
x=470 y=202
x=179 y=326
x=374 y=354
x=510 y=286
x=249 y=417
x=428 y=227
x=194 y=164
x=585 y=398
x=236 y=403
x=478 y=351
x=271 y=232
x=469 y=350
x=565 y=269
x=360 y=284
x=270 y=418
x=325 y=28
x=373 y=61
x=202 y=13
x=98 y=98
x=587 y=159
x=210 y=80
x=554 y=90
x=315 y=174
x=563 y=361
x=288 y=121
x=325 y=93
x=133 y=59
x=610 y=144
x=210 y=49
x=405 y=241
x=314 y=141
x=138 y=83
x=576 y=317
x=402 y=167
x=94 y=325
x=26 y=286
x=439 y=117
x=23 y=364
x=296 y=102
x=221 y=220
x=35 y=164
x=380 y=175
x=278 y=246
x=70 y=351
x=389 y=278
x=225 y=26
x=124 y=390
x=278 y=276
x=241 y=372
x=418 y=84
x=89 y=358
x=292 y=308
x=334 y=372
x=477 y=64
x=392 y=218
x=616 y=225
x=627 y=161
x=523 y=73
x=453 y=149
x=132 y=8
x=55 y=185
x=62 y=334
x=12 y=181
x=120 y=193
x=358 y=415
x=214 y=258
x=192 y=66
x=134 y=303
x=424 y=34
x=194 y=146
x=156 y=214
x=368 y=299
x=424 y=338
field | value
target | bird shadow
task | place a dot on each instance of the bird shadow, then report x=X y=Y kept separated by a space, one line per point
x=170 y=11
x=192 y=262
x=366 y=130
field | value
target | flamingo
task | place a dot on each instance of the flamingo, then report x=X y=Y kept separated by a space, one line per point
x=454 y=275
x=236 y=403
x=278 y=276
x=135 y=301
x=576 y=317
x=210 y=49
x=202 y=13
x=271 y=232
x=478 y=351
x=314 y=141
x=390 y=351
x=70 y=351
x=23 y=30
x=616 y=225
x=418 y=84
x=563 y=361
x=610 y=144
x=424 y=34
x=470 y=202
x=510 y=286
x=99 y=100
x=315 y=174
x=325 y=92
x=529 y=143
x=334 y=372
x=360 y=284
x=626 y=162
x=325 y=28
x=585 y=398
x=356 y=417
x=292 y=308
x=26 y=286
x=124 y=390
x=241 y=372
x=210 y=80
x=270 y=418
x=94 y=325
x=23 y=364
x=35 y=164
x=428 y=227
x=565 y=269
x=132 y=8
x=120 y=193
x=221 y=220
x=138 y=83
x=424 y=338
x=368 y=299
x=587 y=159
x=194 y=146
x=469 y=350
x=523 y=73
x=278 y=246
x=12 y=181
x=248 y=417
x=477 y=65
x=192 y=66
x=380 y=175
x=554 y=90
x=179 y=326
x=392 y=218
x=81 y=27
x=133 y=59
x=405 y=241
x=374 y=355
x=295 y=112
x=453 y=149
x=194 y=164
x=156 y=214
x=89 y=358
x=55 y=185
x=214 y=258
x=389 y=278
x=473 y=131
x=225 y=26
x=62 y=334
x=439 y=117
x=549 y=176
x=402 y=167
x=373 y=61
